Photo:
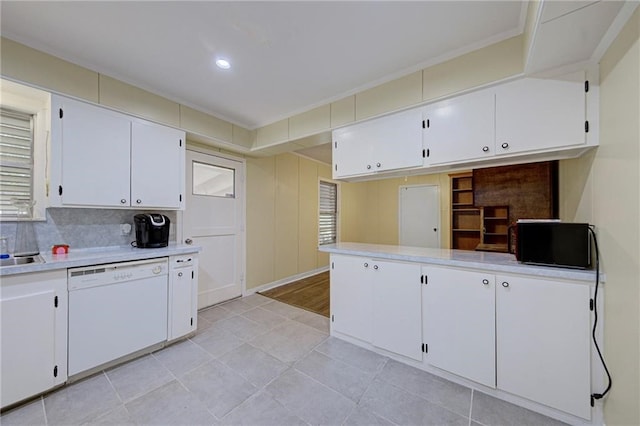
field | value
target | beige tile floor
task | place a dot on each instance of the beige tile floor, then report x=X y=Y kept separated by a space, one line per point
x=255 y=361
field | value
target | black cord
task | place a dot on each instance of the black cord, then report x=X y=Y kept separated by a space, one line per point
x=595 y=396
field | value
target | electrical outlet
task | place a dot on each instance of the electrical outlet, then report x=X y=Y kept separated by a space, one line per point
x=125 y=228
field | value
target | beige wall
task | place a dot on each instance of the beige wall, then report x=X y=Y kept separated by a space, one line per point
x=369 y=210
x=603 y=188
x=282 y=217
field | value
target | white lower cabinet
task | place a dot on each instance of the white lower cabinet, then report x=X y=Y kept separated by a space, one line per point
x=523 y=335
x=377 y=302
x=397 y=307
x=183 y=296
x=459 y=322
x=351 y=297
x=33 y=339
x=543 y=346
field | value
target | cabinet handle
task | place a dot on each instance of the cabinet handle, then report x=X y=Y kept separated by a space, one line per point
x=179 y=274
x=366 y=265
x=138 y=201
x=505 y=284
x=485 y=149
x=485 y=281
x=123 y=201
x=368 y=166
x=188 y=241
x=375 y=267
x=378 y=164
x=505 y=145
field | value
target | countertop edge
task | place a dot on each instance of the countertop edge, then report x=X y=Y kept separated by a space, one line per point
x=490 y=262
x=97 y=256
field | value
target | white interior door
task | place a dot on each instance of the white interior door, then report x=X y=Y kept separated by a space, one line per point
x=419 y=216
x=214 y=220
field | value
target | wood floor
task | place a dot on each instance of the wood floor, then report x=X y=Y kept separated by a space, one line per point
x=310 y=293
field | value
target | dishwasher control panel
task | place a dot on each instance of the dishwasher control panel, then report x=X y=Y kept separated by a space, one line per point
x=91 y=276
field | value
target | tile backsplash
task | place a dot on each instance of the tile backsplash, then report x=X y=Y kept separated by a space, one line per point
x=84 y=228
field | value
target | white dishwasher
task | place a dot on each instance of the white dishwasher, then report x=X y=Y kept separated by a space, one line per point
x=114 y=310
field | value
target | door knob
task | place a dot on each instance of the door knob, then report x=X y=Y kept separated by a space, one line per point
x=505 y=145
x=368 y=166
x=485 y=149
x=123 y=201
x=138 y=201
x=435 y=229
x=485 y=281
x=505 y=284
x=188 y=241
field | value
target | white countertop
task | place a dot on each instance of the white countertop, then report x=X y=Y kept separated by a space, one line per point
x=485 y=261
x=96 y=256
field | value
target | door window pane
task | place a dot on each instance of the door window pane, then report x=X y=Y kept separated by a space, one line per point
x=213 y=181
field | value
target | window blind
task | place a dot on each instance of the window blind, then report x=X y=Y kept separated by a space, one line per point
x=327 y=226
x=16 y=159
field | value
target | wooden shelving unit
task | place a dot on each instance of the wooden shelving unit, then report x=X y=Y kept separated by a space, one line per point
x=465 y=217
x=494 y=235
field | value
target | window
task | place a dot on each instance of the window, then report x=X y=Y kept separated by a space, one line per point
x=328 y=220
x=16 y=160
x=213 y=181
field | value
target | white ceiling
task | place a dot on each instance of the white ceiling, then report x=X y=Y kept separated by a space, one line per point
x=287 y=57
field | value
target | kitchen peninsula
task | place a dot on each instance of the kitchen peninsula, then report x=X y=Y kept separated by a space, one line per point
x=519 y=332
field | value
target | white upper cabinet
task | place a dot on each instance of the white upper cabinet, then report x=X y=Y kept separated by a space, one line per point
x=460 y=129
x=534 y=114
x=387 y=143
x=531 y=119
x=153 y=145
x=95 y=155
x=102 y=158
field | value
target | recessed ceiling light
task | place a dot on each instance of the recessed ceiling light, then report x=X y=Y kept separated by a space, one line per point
x=223 y=63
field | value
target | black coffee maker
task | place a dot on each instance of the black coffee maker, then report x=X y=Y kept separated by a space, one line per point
x=152 y=230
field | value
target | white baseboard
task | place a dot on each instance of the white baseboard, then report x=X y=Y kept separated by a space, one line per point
x=283 y=281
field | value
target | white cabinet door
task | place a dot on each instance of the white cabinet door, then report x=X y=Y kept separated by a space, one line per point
x=460 y=129
x=534 y=114
x=351 y=154
x=157 y=166
x=459 y=322
x=351 y=301
x=397 y=141
x=397 y=307
x=387 y=143
x=95 y=145
x=33 y=339
x=183 y=292
x=543 y=345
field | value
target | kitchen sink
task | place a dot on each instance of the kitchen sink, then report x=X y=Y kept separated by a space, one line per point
x=23 y=260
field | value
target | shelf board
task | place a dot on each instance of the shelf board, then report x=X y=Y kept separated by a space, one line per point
x=466 y=210
x=496 y=234
x=496 y=218
x=465 y=230
x=462 y=190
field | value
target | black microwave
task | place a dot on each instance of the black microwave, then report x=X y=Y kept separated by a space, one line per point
x=553 y=243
